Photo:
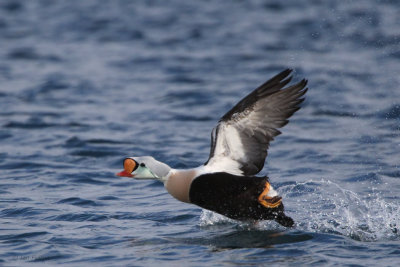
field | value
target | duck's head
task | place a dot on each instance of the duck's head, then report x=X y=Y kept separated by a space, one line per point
x=144 y=168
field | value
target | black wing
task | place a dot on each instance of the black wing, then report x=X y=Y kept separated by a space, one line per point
x=241 y=138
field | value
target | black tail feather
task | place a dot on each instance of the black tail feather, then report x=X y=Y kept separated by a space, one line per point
x=284 y=220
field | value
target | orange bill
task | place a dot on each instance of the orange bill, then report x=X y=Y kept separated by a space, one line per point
x=129 y=167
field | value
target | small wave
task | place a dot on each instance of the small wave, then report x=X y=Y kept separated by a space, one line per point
x=76 y=201
x=78 y=142
x=29 y=53
x=84 y=178
x=182 y=117
x=29 y=125
x=20 y=236
x=335 y=113
x=95 y=153
x=78 y=217
x=12 y=6
x=37 y=123
x=21 y=212
x=180 y=78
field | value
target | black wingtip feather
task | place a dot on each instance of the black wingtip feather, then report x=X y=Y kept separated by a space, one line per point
x=280 y=76
x=274 y=85
x=277 y=79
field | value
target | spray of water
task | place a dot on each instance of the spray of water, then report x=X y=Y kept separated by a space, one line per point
x=325 y=207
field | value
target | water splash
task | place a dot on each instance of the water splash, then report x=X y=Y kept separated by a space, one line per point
x=325 y=207
x=208 y=218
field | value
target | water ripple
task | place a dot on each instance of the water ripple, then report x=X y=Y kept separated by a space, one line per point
x=86 y=83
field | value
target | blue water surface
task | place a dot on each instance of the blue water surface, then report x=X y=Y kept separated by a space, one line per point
x=84 y=84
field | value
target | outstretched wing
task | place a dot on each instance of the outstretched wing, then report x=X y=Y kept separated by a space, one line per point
x=241 y=138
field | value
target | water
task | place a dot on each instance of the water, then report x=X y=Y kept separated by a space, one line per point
x=85 y=83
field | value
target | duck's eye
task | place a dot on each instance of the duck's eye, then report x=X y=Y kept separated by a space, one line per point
x=142 y=165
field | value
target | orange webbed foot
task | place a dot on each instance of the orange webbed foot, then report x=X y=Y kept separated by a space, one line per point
x=267 y=201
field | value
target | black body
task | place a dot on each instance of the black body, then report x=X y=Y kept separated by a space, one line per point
x=235 y=197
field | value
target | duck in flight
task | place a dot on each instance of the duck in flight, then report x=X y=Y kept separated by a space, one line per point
x=226 y=183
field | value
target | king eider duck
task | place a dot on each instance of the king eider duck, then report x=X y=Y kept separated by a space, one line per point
x=226 y=182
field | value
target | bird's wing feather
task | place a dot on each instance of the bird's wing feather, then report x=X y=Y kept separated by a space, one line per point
x=241 y=138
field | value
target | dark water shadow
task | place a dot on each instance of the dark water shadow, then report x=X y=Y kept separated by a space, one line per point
x=246 y=239
x=256 y=239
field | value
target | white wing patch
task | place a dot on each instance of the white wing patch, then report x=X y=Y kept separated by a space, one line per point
x=229 y=151
x=234 y=142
